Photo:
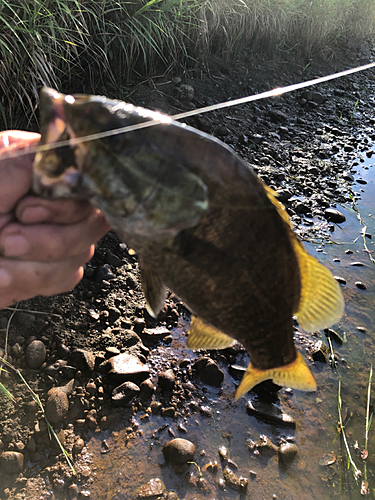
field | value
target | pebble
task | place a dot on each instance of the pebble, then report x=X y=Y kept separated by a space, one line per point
x=147 y=389
x=179 y=451
x=265 y=446
x=320 y=352
x=172 y=495
x=277 y=116
x=167 y=379
x=35 y=354
x=57 y=405
x=12 y=462
x=231 y=479
x=209 y=371
x=154 y=488
x=78 y=446
x=340 y=280
x=333 y=215
x=223 y=453
x=287 y=452
x=357 y=264
x=126 y=367
x=83 y=360
x=124 y=393
x=270 y=413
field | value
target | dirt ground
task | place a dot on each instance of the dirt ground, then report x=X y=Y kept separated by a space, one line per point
x=302 y=144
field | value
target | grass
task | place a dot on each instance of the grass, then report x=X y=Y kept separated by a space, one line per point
x=101 y=47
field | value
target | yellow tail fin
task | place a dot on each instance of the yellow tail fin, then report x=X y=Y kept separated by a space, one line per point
x=296 y=375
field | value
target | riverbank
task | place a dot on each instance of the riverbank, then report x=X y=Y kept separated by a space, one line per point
x=306 y=145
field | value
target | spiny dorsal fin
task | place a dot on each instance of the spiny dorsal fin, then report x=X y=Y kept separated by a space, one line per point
x=296 y=375
x=321 y=303
x=272 y=196
x=204 y=336
x=153 y=288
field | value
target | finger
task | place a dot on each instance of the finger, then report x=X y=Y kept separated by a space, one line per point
x=15 y=171
x=33 y=210
x=11 y=137
x=51 y=242
x=20 y=280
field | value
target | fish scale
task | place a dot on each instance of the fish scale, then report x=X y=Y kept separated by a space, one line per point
x=202 y=224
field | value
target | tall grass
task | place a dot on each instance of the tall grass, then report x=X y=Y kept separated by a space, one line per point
x=101 y=46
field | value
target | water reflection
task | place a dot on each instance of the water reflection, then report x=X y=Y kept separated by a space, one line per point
x=318 y=472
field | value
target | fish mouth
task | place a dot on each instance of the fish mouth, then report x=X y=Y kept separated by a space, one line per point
x=56 y=173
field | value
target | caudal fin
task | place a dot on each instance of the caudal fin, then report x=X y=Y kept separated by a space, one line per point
x=296 y=375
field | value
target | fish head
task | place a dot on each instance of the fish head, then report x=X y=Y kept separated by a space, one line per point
x=84 y=153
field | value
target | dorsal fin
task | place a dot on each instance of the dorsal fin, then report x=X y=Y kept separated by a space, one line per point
x=204 y=336
x=153 y=288
x=321 y=303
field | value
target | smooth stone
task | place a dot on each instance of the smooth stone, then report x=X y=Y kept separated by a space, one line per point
x=340 y=280
x=35 y=354
x=287 y=452
x=126 y=367
x=12 y=462
x=333 y=215
x=209 y=371
x=179 y=451
x=25 y=319
x=265 y=446
x=277 y=116
x=57 y=405
x=360 y=285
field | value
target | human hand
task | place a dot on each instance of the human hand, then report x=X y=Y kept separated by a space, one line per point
x=43 y=243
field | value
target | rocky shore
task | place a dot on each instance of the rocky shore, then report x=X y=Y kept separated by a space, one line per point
x=95 y=357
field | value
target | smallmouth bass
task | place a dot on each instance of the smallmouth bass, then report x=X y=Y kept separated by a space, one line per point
x=202 y=224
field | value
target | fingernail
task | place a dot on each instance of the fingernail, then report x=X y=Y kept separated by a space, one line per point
x=15 y=245
x=32 y=215
x=5 y=278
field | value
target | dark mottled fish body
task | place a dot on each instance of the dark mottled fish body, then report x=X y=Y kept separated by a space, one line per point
x=202 y=224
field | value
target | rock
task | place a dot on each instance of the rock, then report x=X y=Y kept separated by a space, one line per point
x=35 y=354
x=209 y=371
x=147 y=389
x=357 y=264
x=78 y=446
x=320 y=352
x=348 y=176
x=265 y=446
x=360 y=285
x=156 y=333
x=12 y=462
x=222 y=131
x=283 y=195
x=179 y=451
x=153 y=489
x=185 y=93
x=113 y=260
x=333 y=215
x=287 y=452
x=104 y=273
x=24 y=319
x=269 y=413
x=57 y=405
x=172 y=495
x=329 y=333
x=128 y=368
x=340 y=280
x=167 y=379
x=83 y=360
x=223 y=453
x=231 y=480
x=277 y=116
x=124 y=393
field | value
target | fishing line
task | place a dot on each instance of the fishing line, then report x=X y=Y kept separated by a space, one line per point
x=169 y=119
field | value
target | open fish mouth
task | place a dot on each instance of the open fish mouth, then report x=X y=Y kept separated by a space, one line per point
x=61 y=175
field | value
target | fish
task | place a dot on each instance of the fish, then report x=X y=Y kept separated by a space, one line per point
x=202 y=224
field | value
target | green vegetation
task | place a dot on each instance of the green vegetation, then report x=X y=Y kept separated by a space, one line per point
x=101 y=46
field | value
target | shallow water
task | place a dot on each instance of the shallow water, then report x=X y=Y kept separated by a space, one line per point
x=130 y=463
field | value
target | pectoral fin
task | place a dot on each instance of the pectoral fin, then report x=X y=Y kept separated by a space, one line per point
x=296 y=375
x=154 y=289
x=204 y=336
x=321 y=303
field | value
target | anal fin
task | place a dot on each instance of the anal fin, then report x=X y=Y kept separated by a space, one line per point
x=153 y=288
x=296 y=375
x=204 y=336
